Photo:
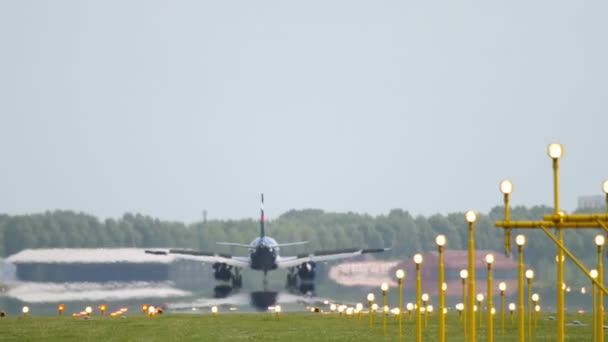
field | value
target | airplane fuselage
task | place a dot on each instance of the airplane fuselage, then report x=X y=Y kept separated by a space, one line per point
x=263 y=253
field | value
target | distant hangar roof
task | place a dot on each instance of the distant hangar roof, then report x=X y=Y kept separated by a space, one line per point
x=87 y=256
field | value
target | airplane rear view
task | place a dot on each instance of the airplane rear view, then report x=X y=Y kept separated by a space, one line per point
x=264 y=256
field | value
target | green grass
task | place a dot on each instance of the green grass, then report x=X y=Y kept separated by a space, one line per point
x=288 y=327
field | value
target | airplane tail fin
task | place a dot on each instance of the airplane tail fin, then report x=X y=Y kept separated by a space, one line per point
x=262 y=234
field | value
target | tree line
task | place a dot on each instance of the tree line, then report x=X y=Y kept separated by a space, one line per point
x=405 y=233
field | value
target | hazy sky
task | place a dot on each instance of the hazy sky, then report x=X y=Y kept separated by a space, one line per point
x=171 y=107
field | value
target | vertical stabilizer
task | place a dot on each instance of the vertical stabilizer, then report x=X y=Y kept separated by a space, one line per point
x=262 y=218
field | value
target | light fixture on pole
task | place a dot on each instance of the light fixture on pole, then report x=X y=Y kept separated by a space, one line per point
x=490 y=333
x=599 y=242
x=370 y=300
x=535 y=299
x=511 y=310
x=502 y=286
x=410 y=308
x=471 y=217
x=479 y=302
x=384 y=288
x=359 y=309
x=400 y=274
x=506 y=187
x=520 y=241
x=418 y=261
x=555 y=152
x=463 y=277
x=425 y=300
x=440 y=240
x=529 y=277
x=593 y=274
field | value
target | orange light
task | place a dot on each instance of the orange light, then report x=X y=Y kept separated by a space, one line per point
x=102 y=308
x=60 y=308
x=144 y=308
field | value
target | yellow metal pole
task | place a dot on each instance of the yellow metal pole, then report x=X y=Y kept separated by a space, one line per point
x=464 y=306
x=560 y=255
x=400 y=300
x=535 y=315
x=441 y=298
x=371 y=314
x=417 y=308
x=502 y=311
x=384 y=313
x=471 y=299
x=600 y=297
x=490 y=333
x=594 y=301
x=426 y=312
x=530 y=309
x=520 y=294
x=480 y=310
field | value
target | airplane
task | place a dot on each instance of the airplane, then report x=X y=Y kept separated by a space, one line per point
x=264 y=256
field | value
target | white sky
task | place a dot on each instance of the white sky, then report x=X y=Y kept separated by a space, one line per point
x=171 y=107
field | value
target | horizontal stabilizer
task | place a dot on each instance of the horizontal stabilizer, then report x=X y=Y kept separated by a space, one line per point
x=292 y=243
x=234 y=244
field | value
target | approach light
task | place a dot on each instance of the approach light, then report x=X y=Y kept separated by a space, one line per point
x=529 y=274
x=480 y=297
x=25 y=310
x=333 y=307
x=520 y=240
x=535 y=297
x=464 y=274
x=470 y=216
x=440 y=240
x=605 y=187
x=512 y=307
x=384 y=287
x=600 y=240
x=359 y=306
x=374 y=307
x=555 y=150
x=400 y=274
x=370 y=297
x=502 y=286
x=418 y=259
x=409 y=306
x=506 y=186
x=88 y=310
x=425 y=297
x=490 y=259
x=214 y=310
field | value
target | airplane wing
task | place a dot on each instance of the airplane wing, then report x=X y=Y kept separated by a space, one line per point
x=204 y=257
x=291 y=261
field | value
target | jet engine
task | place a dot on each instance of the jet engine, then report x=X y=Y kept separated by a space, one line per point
x=306 y=271
x=222 y=271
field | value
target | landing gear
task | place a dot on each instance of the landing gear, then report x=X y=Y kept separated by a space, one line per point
x=230 y=278
x=301 y=278
x=237 y=279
